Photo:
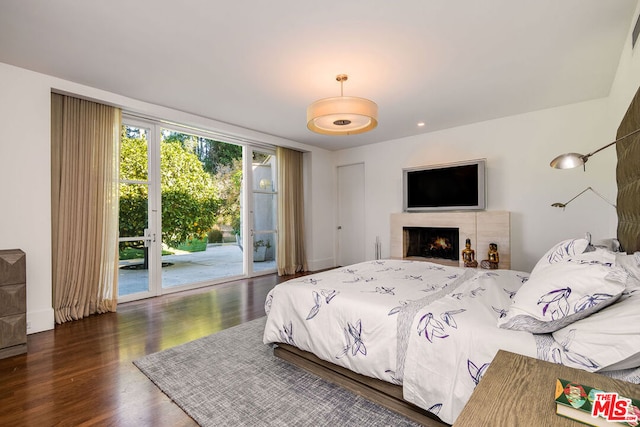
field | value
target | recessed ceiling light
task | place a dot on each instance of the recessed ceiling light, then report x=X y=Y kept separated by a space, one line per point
x=420 y=124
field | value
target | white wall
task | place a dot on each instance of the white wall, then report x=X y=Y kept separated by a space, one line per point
x=627 y=78
x=25 y=181
x=320 y=197
x=25 y=184
x=518 y=150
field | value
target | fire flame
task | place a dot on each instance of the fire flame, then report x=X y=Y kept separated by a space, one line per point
x=440 y=243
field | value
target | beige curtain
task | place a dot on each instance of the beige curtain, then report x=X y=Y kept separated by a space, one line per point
x=291 y=255
x=85 y=139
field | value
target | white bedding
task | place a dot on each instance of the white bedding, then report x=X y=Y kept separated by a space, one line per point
x=431 y=328
x=448 y=354
x=347 y=316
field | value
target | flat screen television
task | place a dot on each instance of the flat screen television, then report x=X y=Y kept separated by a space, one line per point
x=447 y=187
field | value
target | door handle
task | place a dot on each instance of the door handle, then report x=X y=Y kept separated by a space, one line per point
x=339 y=227
x=149 y=237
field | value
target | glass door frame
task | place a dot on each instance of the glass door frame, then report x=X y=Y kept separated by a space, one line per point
x=154 y=234
x=248 y=214
x=152 y=237
x=174 y=127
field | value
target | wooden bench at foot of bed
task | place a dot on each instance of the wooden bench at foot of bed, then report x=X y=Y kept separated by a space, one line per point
x=384 y=394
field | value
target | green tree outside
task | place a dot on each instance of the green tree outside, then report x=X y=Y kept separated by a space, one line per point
x=194 y=199
x=214 y=155
x=229 y=185
x=189 y=200
x=223 y=161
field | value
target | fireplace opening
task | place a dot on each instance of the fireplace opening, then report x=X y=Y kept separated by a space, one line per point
x=432 y=242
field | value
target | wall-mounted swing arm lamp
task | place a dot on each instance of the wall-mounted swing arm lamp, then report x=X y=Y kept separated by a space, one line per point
x=572 y=160
x=564 y=205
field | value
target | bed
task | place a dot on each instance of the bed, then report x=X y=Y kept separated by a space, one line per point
x=434 y=329
x=417 y=336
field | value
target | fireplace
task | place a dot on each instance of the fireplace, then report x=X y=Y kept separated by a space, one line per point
x=482 y=227
x=432 y=242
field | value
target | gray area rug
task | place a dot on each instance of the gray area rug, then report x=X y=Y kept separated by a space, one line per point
x=230 y=378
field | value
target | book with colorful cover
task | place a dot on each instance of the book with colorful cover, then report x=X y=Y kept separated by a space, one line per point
x=595 y=407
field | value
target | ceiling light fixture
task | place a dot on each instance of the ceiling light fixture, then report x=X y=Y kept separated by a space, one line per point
x=342 y=115
x=572 y=160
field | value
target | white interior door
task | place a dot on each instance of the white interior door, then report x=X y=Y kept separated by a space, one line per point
x=351 y=218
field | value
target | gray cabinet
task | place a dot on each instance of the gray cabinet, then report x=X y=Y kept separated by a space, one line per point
x=13 y=303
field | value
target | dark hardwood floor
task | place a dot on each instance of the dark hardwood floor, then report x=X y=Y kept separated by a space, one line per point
x=81 y=373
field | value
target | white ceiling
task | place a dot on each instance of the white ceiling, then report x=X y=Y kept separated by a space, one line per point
x=258 y=64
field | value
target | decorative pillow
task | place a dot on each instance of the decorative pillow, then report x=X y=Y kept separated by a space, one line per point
x=561 y=293
x=599 y=254
x=561 y=252
x=630 y=263
x=606 y=341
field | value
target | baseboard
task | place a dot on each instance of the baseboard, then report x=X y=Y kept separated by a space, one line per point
x=38 y=321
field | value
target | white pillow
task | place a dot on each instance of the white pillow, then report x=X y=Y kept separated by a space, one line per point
x=561 y=252
x=595 y=253
x=561 y=293
x=610 y=339
x=631 y=263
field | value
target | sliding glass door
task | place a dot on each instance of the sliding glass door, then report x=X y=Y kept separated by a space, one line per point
x=138 y=204
x=201 y=181
x=183 y=210
x=263 y=211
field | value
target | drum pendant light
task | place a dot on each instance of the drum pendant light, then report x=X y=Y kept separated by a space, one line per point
x=342 y=115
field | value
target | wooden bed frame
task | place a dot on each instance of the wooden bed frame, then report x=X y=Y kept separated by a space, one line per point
x=389 y=395
x=383 y=393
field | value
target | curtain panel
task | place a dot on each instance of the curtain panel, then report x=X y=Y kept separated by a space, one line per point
x=291 y=257
x=85 y=139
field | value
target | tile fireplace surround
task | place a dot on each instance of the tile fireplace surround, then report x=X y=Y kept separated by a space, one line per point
x=482 y=227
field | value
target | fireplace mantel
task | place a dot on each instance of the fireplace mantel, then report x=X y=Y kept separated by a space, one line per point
x=482 y=227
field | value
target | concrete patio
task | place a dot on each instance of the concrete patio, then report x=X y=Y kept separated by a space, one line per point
x=215 y=263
